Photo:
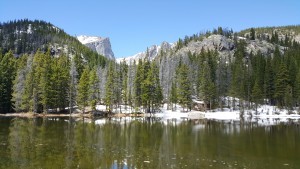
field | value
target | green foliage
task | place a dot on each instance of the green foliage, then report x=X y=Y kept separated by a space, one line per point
x=94 y=89
x=269 y=81
x=148 y=92
x=60 y=79
x=109 y=87
x=281 y=84
x=83 y=90
x=184 y=87
x=257 y=94
x=15 y=36
x=238 y=81
x=207 y=85
x=139 y=77
x=252 y=34
x=44 y=71
x=48 y=81
x=124 y=80
x=7 y=75
x=269 y=30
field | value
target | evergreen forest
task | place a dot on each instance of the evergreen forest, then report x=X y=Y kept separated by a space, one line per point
x=37 y=77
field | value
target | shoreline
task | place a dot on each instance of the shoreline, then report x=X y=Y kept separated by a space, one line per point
x=218 y=115
x=74 y=115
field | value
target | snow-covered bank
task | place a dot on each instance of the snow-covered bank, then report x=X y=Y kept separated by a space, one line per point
x=263 y=112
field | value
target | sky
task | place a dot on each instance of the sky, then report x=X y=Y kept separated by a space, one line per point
x=134 y=25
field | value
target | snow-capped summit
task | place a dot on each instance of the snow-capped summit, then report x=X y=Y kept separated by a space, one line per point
x=101 y=45
x=88 y=39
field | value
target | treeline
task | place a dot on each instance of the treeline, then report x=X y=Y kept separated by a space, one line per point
x=46 y=83
x=42 y=82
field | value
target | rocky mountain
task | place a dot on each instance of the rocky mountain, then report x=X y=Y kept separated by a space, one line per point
x=225 y=45
x=151 y=53
x=98 y=44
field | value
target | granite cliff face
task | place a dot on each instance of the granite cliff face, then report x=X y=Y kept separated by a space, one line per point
x=151 y=53
x=101 y=45
x=224 y=45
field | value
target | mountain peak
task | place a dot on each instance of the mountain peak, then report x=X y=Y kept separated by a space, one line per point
x=151 y=53
x=88 y=39
x=99 y=44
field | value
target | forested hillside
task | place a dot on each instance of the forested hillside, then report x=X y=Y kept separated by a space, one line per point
x=220 y=69
x=242 y=70
x=26 y=37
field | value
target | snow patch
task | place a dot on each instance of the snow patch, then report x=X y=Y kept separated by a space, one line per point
x=88 y=39
x=29 y=30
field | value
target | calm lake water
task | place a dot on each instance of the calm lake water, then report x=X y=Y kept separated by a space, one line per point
x=147 y=143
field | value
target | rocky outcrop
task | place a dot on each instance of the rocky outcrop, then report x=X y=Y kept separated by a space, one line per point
x=226 y=46
x=263 y=46
x=151 y=53
x=223 y=45
x=101 y=45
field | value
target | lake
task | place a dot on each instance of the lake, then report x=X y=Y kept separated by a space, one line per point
x=125 y=143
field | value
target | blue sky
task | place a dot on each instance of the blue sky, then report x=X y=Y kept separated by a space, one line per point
x=132 y=25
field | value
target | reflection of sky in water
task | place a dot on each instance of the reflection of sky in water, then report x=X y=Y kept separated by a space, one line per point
x=123 y=165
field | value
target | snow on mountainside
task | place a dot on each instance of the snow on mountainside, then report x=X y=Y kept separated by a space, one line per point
x=151 y=52
x=88 y=39
x=101 y=45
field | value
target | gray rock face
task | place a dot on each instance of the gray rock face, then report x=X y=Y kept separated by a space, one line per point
x=223 y=45
x=215 y=42
x=101 y=45
x=263 y=46
x=226 y=46
x=151 y=53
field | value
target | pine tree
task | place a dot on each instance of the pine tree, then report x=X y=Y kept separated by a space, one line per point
x=117 y=86
x=139 y=77
x=297 y=89
x=93 y=89
x=145 y=85
x=109 y=88
x=184 y=88
x=124 y=70
x=78 y=64
x=269 y=84
x=7 y=75
x=207 y=86
x=83 y=90
x=30 y=97
x=222 y=80
x=257 y=95
x=252 y=34
x=45 y=84
x=155 y=96
x=281 y=83
x=237 y=87
x=60 y=79
x=288 y=97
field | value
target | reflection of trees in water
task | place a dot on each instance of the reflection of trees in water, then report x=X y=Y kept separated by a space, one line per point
x=148 y=143
x=22 y=142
